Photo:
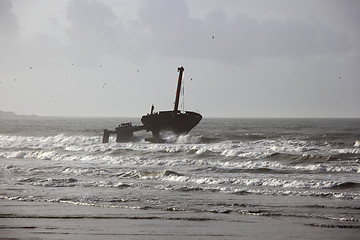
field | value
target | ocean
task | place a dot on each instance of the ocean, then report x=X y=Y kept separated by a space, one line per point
x=306 y=171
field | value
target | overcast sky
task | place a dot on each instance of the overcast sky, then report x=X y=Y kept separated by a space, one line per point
x=242 y=58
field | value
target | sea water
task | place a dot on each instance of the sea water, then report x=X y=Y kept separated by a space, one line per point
x=305 y=169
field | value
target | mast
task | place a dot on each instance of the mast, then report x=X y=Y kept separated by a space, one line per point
x=180 y=70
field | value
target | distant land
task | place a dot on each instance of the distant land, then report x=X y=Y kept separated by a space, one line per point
x=13 y=114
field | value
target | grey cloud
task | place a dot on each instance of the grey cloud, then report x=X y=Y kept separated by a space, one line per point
x=166 y=27
x=164 y=13
x=8 y=22
x=174 y=32
x=331 y=42
x=94 y=29
x=171 y=30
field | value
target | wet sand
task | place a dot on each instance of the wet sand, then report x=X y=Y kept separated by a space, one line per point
x=44 y=220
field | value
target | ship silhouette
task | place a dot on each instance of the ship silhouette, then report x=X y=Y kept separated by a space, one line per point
x=176 y=121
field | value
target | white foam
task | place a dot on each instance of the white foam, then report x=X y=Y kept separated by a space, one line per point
x=188 y=139
x=324 y=167
x=90 y=149
x=186 y=143
x=269 y=182
x=263 y=186
x=58 y=141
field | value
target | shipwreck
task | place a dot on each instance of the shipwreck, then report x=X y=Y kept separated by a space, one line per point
x=176 y=121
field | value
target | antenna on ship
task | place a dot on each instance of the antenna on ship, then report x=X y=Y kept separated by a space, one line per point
x=178 y=89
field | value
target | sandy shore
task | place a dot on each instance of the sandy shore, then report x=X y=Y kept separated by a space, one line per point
x=44 y=220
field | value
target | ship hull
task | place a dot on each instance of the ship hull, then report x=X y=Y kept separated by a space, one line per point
x=177 y=122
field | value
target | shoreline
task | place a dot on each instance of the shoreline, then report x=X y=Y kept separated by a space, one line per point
x=22 y=220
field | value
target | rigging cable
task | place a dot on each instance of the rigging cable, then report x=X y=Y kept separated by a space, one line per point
x=183 y=95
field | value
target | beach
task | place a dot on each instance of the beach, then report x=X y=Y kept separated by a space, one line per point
x=43 y=220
